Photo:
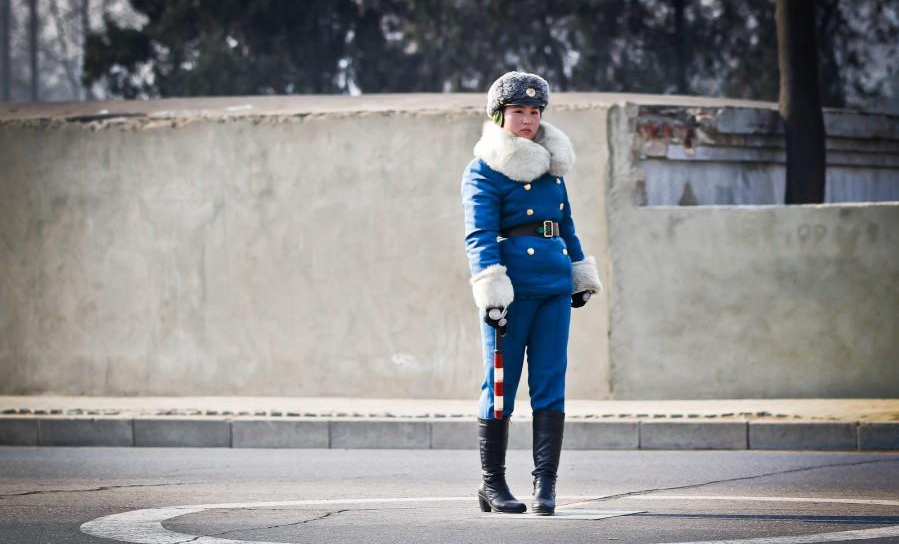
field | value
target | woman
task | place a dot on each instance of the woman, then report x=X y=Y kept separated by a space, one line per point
x=528 y=270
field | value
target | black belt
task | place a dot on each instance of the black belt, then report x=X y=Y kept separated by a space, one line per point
x=546 y=229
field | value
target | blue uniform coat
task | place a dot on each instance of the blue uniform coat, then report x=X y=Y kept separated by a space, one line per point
x=536 y=266
x=514 y=181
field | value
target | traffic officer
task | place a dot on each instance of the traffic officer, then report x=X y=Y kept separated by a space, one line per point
x=527 y=263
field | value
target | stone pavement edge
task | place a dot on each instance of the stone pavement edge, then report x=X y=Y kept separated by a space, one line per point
x=342 y=423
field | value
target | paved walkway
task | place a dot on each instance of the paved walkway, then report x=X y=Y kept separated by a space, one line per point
x=798 y=424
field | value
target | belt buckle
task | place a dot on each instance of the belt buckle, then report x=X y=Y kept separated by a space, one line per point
x=548 y=231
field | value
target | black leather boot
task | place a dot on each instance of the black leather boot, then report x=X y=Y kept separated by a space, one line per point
x=494 y=494
x=548 y=426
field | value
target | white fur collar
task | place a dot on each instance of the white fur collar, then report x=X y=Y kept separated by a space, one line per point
x=524 y=160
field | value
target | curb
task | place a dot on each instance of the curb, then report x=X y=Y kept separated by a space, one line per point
x=418 y=433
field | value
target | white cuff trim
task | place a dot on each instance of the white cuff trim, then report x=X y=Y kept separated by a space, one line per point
x=492 y=288
x=584 y=276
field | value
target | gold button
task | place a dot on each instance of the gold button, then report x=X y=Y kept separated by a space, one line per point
x=564 y=251
x=527 y=186
x=530 y=251
x=530 y=211
x=558 y=181
x=561 y=205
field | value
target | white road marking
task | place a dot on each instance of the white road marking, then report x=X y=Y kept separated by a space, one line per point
x=145 y=526
x=881 y=502
x=861 y=534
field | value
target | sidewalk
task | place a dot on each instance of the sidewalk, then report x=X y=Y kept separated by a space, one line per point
x=808 y=424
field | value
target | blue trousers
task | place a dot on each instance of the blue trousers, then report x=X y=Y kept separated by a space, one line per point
x=538 y=327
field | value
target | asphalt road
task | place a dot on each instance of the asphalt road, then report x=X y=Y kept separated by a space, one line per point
x=58 y=495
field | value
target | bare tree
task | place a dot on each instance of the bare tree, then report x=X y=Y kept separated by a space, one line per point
x=32 y=48
x=5 y=56
x=800 y=102
x=47 y=38
x=680 y=46
x=62 y=39
x=85 y=30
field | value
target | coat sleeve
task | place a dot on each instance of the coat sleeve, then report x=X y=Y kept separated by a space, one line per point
x=482 y=203
x=566 y=230
x=584 y=275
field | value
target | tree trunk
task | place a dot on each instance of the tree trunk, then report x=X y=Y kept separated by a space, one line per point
x=630 y=40
x=85 y=30
x=800 y=102
x=5 y=29
x=63 y=31
x=32 y=46
x=680 y=46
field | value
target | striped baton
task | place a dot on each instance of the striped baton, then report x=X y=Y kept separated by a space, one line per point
x=498 y=363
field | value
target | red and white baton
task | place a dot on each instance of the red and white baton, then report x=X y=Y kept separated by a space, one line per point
x=498 y=363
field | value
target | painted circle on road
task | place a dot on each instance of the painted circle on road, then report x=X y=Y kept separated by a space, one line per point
x=145 y=526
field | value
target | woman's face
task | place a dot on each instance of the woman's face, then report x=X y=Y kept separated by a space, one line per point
x=522 y=121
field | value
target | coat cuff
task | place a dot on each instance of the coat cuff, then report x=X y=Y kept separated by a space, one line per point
x=492 y=287
x=584 y=276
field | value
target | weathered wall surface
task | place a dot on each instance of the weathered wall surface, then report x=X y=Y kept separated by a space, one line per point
x=735 y=156
x=746 y=301
x=313 y=246
x=278 y=254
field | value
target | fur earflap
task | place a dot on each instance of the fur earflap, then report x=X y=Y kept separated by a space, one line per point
x=492 y=288
x=585 y=277
x=524 y=160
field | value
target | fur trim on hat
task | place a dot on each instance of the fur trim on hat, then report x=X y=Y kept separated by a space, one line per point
x=524 y=160
x=517 y=88
x=492 y=288
x=585 y=277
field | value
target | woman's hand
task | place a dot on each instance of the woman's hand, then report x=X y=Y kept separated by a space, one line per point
x=496 y=318
x=580 y=298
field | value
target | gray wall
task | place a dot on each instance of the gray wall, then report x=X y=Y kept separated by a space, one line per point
x=735 y=155
x=746 y=301
x=316 y=255
x=313 y=246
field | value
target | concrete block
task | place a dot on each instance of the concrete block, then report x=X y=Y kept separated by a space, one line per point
x=878 y=436
x=454 y=435
x=31 y=184
x=388 y=434
x=521 y=434
x=605 y=435
x=18 y=431
x=706 y=435
x=181 y=432
x=264 y=433
x=65 y=431
x=802 y=436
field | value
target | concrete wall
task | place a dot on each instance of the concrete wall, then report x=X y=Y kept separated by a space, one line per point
x=735 y=155
x=313 y=246
x=745 y=301
x=284 y=253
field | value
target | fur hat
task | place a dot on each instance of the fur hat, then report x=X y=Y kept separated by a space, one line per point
x=517 y=88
